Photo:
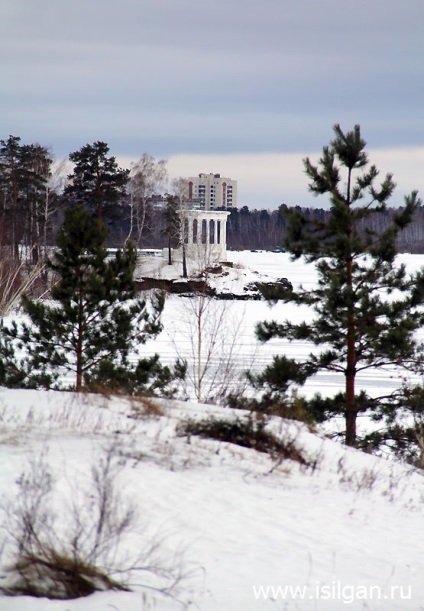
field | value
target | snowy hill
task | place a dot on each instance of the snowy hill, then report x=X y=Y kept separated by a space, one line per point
x=246 y=532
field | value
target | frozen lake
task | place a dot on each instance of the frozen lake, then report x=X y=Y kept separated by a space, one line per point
x=240 y=318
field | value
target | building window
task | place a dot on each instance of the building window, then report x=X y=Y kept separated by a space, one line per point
x=203 y=231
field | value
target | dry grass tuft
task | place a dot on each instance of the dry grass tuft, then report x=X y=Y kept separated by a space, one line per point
x=145 y=407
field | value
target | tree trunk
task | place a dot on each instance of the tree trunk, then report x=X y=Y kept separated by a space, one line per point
x=185 y=275
x=169 y=251
x=351 y=411
x=199 y=375
x=15 y=240
x=130 y=232
x=99 y=205
x=141 y=219
x=78 y=354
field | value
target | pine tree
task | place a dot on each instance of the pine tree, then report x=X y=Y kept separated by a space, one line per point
x=367 y=308
x=24 y=175
x=95 y=318
x=97 y=181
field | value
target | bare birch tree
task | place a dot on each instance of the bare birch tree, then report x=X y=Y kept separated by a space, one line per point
x=208 y=338
x=147 y=177
x=180 y=187
x=56 y=184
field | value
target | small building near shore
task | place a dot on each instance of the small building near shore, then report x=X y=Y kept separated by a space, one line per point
x=204 y=236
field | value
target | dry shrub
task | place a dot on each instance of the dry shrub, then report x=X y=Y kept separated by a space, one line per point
x=358 y=480
x=293 y=407
x=69 y=556
x=248 y=432
x=59 y=576
x=17 y=278
x=141 y=407
x=145 y=407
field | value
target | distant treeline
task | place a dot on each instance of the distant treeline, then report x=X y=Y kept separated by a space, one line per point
x=264 y=229
x=411 y=238
x=34 y=194
x=246 y=228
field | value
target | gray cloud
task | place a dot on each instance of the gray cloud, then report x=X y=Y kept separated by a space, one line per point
x=190 y=76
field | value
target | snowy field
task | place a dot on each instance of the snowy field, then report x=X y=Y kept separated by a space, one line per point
x=245 y=533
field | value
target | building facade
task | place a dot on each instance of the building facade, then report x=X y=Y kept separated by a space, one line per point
x=206 y=235
x=203 y=236
x=212 y=191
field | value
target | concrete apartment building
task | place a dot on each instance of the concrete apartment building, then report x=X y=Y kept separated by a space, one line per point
x=211 y=191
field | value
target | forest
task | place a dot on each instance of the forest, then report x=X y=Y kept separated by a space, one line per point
x=36 y=190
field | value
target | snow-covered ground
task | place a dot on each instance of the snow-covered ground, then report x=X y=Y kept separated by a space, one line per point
x=246 y=533
x=249 y=533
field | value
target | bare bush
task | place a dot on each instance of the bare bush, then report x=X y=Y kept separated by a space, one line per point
x=76 y=554
x=212 y=334
x=249 y=432
x=16 y=278
x=359 y=480
x=144 y=407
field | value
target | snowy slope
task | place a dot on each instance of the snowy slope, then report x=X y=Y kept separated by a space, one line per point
x=345 y=534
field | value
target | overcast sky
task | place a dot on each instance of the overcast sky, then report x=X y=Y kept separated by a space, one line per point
x=246 y=88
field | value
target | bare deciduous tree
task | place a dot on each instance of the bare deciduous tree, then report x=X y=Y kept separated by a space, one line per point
x=212 y=333
x=16 y=278
x=180 y=187
x=56 y=184
x=147 y=177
